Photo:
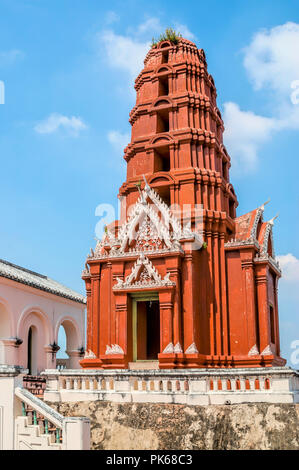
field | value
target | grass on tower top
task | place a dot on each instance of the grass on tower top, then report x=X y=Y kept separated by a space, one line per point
x=169 y=35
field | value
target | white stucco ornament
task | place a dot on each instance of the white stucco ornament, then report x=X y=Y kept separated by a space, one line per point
x=89 y=355
x=192 y=349
x=253 y=351
x=114 y=349
x=143 y=274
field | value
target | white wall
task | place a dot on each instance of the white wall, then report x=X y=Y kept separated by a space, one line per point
x=22 y=307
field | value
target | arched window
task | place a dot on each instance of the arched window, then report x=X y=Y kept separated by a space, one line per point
x=162 y=121
x=62 y=343
x=68 y=341
x=163 y=86
x=165 y=56
x=161 y=159
x=32 y=350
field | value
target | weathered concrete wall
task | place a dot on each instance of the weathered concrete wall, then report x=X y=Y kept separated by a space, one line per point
x=160 y=426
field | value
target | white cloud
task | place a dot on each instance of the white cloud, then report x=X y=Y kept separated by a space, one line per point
x=290 y=267
x=272 y=58
x=72 y=125
x=9 y=57
x=185 y=31
x=245 y=132
x=119 y=140
x=127 y=52
x=124 y=52
x=152 y=25
x=272 y=63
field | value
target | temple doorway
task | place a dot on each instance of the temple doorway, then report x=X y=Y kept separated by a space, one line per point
x=146 y=329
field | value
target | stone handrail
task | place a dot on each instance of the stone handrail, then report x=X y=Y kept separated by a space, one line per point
x=68 y=433
x=197 y=386
x=40 y=407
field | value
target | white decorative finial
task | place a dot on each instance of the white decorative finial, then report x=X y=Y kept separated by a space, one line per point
x=142 y=198
x=263 y=205
x=147 y=186
x=272 y=220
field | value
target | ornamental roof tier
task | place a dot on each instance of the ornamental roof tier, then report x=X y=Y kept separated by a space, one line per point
x=38 y=281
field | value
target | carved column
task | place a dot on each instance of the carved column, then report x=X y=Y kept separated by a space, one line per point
x=249 y=298
x=188 y=305
x=166 y=318
x=87 y=280
x=95 y=289
x=263 y=306
x=209 y=284
x=167 y=355
x=277 y=338
x=121 y=332
x=173 y=267
x=225 y=325
x=217 y=291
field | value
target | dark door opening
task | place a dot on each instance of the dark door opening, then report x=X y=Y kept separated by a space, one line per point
x=29 y=352
x=148 y=330
x=32 y=351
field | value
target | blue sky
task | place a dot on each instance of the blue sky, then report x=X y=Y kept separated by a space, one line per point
x=68 y=68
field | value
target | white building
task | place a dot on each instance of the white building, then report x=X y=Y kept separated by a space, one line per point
x=32 y=309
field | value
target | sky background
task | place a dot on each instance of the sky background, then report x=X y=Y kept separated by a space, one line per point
x=68 y=67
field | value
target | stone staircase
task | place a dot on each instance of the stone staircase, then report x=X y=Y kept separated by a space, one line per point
x=28 y=423
x=31 y=436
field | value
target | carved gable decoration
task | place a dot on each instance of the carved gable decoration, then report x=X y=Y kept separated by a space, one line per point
x=148 y=235
x=151 y=231
x=150 y=227
x=143 y=274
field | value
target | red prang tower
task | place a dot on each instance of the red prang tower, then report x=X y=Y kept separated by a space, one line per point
x=180 y=281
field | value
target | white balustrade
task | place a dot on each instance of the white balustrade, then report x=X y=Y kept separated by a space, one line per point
x=200 y=386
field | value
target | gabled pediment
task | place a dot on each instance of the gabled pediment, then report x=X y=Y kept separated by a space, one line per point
x=151 y=226
x=151 y=215
x=143 y=274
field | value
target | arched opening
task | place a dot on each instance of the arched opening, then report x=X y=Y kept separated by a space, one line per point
x=163 y=86
x=62 y=358
x=68 y=341
x=32 y=351
x=162 y=121
x=165 y=55
x=161 y=159
x=164 y=193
